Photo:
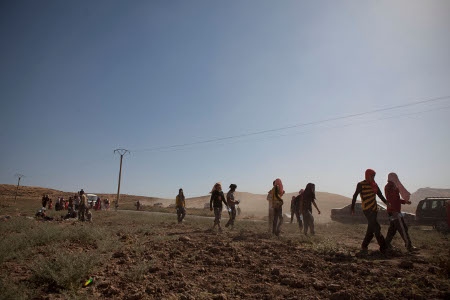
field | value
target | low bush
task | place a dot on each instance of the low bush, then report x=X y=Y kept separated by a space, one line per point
x=59 y=271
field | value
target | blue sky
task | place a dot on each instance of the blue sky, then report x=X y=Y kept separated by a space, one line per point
x=79 y=79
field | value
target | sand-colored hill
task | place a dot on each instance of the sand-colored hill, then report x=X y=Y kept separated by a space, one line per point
x=423 y=193
x=32 y=193
x=428 y=192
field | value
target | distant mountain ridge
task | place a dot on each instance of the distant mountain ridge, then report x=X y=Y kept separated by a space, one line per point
x=422 y=193
x=251 y=203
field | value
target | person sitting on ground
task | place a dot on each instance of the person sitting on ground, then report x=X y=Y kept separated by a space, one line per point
x=180 y=204
x=71 y=213
x=42 y=215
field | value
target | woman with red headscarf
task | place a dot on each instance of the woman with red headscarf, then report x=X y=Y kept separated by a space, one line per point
x=368 y=189
x=277 y=205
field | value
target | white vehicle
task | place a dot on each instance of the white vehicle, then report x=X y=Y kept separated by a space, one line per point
x=91 y=199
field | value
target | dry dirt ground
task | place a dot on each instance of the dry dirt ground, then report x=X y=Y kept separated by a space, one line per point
x=145 y=255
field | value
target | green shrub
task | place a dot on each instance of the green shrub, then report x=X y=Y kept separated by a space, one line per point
x=62 y=270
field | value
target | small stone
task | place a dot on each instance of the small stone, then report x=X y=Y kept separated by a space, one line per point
x=334 y=287
x=275 y=272
x=406 y=264
x=319 y=285
x=342 y=295
x=184 y=239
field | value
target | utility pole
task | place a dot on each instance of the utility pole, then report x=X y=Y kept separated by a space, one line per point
x=122 y=152
x=19 y=176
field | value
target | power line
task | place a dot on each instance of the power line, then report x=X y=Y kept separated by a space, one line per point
x=281 y=135
x=291 y=126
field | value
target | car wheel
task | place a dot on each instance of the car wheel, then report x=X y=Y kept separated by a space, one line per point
x=441 y=226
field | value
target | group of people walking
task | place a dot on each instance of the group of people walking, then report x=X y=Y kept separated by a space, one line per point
x=301 y=208
x=304 y=202
x=396 y=195
x=215 y=204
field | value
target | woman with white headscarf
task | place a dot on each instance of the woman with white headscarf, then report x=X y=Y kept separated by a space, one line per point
x=396 y=195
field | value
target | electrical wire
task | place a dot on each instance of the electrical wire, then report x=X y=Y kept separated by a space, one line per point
x=176 y=147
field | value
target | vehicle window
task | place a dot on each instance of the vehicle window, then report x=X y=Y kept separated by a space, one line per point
x=424 y=205
x=434 y=204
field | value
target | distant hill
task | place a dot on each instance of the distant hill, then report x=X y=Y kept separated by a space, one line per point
x=428 y=192
x=32 y=193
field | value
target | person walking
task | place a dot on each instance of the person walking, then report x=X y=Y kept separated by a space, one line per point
x=368 y=189
x=292 y=209
x=395 y=191
x=231 y=205
x=277 y=204
x=138 y=205
x=45 y=200
x=180 y=204
x=298 y=208
x=217 y=198
x=309 y=199
x=270 y=202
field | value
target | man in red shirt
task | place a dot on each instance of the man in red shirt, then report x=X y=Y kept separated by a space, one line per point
x=393 y=190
